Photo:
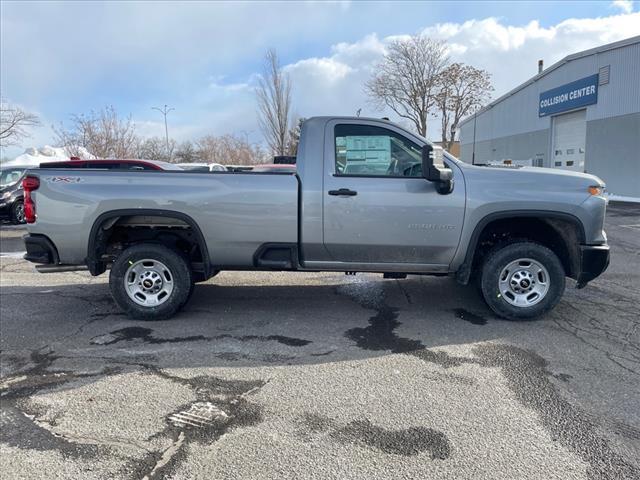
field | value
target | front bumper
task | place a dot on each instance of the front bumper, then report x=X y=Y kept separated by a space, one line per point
x=594 y=259
x=40 y=249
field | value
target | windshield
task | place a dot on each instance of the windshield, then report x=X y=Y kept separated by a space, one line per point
x=10 y=176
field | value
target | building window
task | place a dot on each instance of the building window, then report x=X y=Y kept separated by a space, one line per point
x=571 y=151
x=558 y=164
x=558 y=153
x=569 y=163
x=581 y=150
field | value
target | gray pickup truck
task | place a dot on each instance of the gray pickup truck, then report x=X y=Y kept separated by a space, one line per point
x=368 y=196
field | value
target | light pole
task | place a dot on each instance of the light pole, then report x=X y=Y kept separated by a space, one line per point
x=473 y=154
x=164 y=111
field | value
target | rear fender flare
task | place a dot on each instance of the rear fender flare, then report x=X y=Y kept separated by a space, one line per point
x=94 y=264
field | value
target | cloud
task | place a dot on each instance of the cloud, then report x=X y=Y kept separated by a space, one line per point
x=324 y=69
x=510 y=53
x=217 y=84
x=127 y=50
x=333 y=84
x=204 y=60
x=625 y=6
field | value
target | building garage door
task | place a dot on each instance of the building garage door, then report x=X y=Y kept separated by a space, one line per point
x=569 y=138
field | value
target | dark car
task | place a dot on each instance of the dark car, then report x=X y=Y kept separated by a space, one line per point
x=11 y=194
x=113 y=164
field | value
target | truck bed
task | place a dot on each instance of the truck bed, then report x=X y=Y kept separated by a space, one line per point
x=258 y=208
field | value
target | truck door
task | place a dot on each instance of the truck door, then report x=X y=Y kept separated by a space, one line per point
x=378 y=209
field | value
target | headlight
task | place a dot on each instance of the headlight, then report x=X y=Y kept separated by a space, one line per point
x=6 y=195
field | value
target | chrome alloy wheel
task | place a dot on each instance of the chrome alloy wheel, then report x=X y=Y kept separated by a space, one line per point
x=20 y=218
x=148 y=282
x=524 y=282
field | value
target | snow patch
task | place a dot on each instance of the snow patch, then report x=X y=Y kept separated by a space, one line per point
x=32 y=156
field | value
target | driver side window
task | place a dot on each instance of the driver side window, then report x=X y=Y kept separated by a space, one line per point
x=364 y=150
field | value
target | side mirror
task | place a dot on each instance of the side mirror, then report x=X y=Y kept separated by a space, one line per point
x=433 y=168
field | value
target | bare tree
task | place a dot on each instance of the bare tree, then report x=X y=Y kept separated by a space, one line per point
x=406 y=80
x=294 y=137
x=463 y=91
x=155 y=148
x=238 y=151
x=209 y=149
x=274 y=103
x=102 y=133
x=14 y=124
x=228 y=150
x=186 y=152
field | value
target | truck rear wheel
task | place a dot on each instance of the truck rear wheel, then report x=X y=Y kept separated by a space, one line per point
x=522 y=280
x=150 y=281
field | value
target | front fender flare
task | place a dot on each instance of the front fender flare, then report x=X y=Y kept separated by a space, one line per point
x=463 y=273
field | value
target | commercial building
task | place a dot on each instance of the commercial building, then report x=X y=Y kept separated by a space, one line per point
x=582 y=114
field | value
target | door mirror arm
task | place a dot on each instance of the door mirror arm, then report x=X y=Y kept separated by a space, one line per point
x=433 y=169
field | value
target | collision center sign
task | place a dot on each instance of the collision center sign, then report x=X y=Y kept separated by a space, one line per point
x=569 y=96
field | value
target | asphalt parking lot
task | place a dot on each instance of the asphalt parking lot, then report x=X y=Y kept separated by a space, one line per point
x=320 y=376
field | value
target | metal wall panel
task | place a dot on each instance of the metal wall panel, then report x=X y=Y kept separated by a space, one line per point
x=621 y=96
x=613 y=153
x=518 y=113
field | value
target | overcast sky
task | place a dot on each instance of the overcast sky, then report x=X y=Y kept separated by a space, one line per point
x=60 y=58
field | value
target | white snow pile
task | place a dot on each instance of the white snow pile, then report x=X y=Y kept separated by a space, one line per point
x=32 y=157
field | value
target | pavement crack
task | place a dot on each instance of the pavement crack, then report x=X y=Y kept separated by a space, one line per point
x=94 y=318
x=526 y=373
x=575 y=331
x=528 y=377
x=146 y=335
x=221 y=406
x=166 y=457
x=109 y=441
x=19 y=428
x=27 y=382
x=380 y=334
x=404 y=292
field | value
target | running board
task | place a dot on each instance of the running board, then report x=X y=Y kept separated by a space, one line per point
x=394 y=275
x=60 y=268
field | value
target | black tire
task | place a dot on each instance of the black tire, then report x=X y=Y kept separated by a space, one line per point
x=500 y=258
x=191 y=288
x=179 y=273
x=193 y=280
x=17 y=212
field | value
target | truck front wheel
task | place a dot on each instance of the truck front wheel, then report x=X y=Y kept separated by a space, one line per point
x=150 y=281
x=522 y=280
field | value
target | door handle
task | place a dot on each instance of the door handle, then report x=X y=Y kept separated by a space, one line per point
x=343 y=192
